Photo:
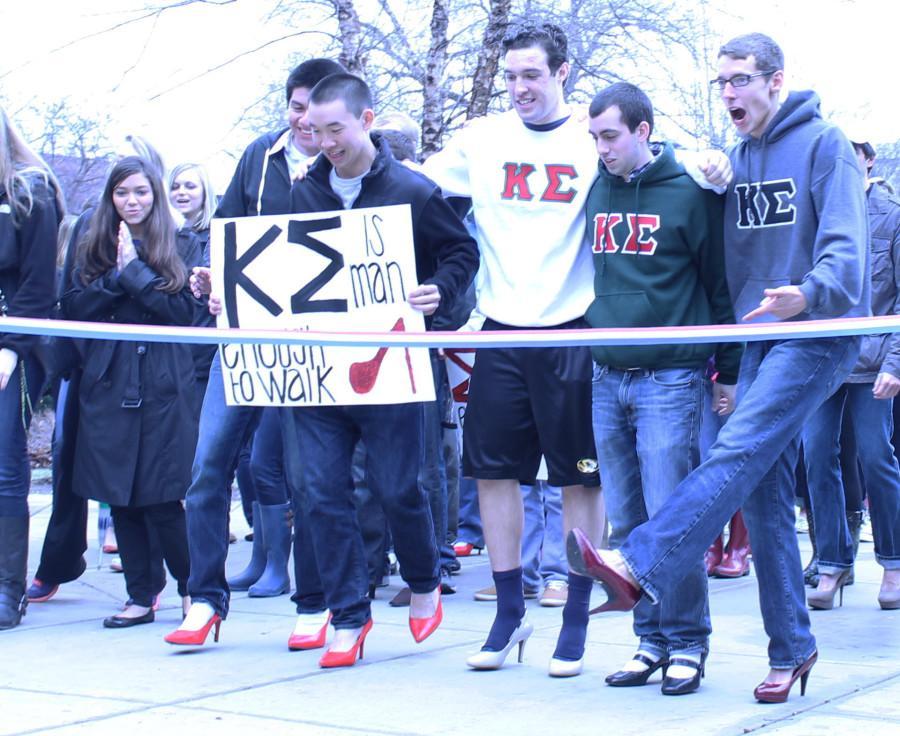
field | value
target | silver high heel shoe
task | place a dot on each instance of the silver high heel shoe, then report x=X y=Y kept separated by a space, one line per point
x=487 y=660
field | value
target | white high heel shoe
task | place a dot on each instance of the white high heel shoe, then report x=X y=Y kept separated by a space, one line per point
x=565 y=667
x=486 y=660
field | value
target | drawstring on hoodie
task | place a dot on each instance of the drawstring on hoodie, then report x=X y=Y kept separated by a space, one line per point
x=276 y=147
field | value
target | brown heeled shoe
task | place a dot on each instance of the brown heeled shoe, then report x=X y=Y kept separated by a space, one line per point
x=823 y=600
x=777 y=692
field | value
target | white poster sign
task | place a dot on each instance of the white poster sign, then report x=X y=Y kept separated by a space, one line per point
x=345 y=271
x=459 y=372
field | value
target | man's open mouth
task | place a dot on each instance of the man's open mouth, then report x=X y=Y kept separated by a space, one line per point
x=737 y=114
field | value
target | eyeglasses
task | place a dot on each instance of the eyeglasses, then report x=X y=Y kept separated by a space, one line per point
x=738 y=80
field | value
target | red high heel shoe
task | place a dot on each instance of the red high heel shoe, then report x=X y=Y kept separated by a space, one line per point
x=465 y=549
x=348 y=658
x=621 y=595
x=777 y=692
x=422 y=628
x=196 y=638
x=300 y=642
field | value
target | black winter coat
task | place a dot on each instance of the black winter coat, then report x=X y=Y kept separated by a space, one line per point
x=261 y=184
x=28 y=263
x=136 y=428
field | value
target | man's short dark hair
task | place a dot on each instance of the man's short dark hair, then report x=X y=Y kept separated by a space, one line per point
x=547 y=36
x=634 y=105
x=767 y=54
x=868 y=153
x=309 y=74
x=865 y=148
x=354 y=92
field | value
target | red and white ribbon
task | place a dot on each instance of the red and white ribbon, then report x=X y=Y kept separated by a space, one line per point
x=487 y=339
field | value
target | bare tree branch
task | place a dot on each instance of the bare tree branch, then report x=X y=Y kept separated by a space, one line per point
x=233 y=59
x=152 y=12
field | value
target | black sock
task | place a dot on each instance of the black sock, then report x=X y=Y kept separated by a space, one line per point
x=570 y=644
x=510 y=608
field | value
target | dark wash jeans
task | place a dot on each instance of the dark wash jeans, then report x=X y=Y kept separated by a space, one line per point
x=319 y=443
x=223 y=432
x=752 y=463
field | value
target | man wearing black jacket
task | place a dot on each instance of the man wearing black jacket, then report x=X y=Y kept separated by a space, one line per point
x=261 y=185
x=357 y=170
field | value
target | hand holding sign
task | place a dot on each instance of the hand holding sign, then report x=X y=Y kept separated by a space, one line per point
x=201 y=282
x=425 y=298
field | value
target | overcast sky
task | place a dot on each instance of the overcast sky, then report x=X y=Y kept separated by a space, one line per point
x=139 y=74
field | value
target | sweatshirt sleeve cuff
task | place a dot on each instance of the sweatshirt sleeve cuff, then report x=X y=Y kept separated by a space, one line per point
x=808 y=289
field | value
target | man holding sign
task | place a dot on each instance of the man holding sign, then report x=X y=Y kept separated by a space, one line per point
x=358 y=171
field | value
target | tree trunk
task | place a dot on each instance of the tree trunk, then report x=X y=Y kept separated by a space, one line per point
x=350 y=35
x=433 y=90
x=488 y=59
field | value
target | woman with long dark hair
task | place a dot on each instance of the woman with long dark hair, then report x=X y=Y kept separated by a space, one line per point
x=136 y=429
x=30 y=208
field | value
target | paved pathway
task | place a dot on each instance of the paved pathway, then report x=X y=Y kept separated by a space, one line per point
x=62 y=673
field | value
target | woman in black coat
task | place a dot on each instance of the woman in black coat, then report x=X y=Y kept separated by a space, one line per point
x=29 y=212
x=136 y=430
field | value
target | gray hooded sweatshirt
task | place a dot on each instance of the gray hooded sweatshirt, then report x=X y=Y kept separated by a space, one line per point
x=795 y=213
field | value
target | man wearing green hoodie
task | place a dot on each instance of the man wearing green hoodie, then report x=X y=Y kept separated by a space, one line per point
x=658 y=261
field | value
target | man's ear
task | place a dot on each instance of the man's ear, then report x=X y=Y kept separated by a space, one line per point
x=777 y=81
x=563 y=72
x=368 y=117
x=643 y=131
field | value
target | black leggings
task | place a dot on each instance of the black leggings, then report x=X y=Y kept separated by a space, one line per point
x=133 y=537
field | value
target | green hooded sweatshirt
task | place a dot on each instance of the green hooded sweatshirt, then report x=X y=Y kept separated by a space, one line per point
x=659 y=261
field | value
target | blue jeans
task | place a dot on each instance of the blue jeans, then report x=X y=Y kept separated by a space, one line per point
x=647 y=430
x=224 y=430
x=267 y=460
x=392 y=434
x=873 y=425
x=751 y=463
x=15 y=469
x=543 y=549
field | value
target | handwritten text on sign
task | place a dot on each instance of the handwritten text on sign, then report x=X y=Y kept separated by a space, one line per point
x=342 y=271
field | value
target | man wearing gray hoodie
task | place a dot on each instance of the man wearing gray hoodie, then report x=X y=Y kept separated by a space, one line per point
x=795 y=248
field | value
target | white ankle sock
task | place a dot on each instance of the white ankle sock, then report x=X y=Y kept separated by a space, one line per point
x=680 y=671
x=636 y=665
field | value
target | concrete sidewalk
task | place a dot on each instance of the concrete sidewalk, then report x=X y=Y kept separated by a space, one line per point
x=62 y=673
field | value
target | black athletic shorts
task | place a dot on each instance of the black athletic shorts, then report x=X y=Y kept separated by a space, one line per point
x=525 y=402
